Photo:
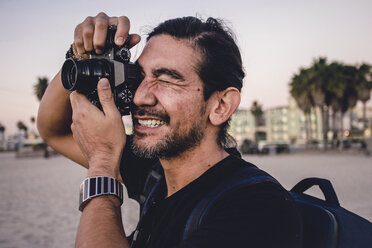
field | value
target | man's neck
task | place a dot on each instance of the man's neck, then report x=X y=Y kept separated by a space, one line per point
x=185 y=168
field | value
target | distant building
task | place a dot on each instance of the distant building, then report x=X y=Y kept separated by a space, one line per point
x=2 y=141
x=14 y=142
x=288 y=124
x=277 y=121
x=357 y=118
x=242 y=125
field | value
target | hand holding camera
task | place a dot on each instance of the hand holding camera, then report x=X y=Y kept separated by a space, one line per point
x=100 y=136
x=109 y=59
x=90 y=35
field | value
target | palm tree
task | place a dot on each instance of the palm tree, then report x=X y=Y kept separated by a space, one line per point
x=39 y=89
x=32 y=119
x=2 y=128
x=2 y=140
x=301 y=94
x=343 y=92
x=319 y=76
x=363 y=87
x=331 y=86
x=337 y=87
x=22 y=127
x=350 y=93
x=257 y=112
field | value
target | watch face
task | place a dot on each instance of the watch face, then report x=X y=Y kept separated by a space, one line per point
x=97 y=186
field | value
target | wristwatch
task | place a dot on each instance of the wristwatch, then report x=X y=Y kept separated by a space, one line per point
x=97 y=186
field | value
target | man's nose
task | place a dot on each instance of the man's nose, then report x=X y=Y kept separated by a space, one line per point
x=144 y=95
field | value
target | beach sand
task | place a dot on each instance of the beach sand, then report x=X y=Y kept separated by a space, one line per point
x=39 y=197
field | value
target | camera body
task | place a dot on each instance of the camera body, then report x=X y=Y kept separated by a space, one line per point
x=124 y=76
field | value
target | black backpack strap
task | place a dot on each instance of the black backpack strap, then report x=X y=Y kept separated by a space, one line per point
x=151 y=187
x=320 y=223
x=148 y=198
x=244 y=177
x=324 y=185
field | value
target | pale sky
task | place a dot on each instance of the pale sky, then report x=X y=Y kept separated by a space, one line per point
x=275 y=37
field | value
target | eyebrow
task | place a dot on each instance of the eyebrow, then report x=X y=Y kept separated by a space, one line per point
x=169 y=72
x=164 y=71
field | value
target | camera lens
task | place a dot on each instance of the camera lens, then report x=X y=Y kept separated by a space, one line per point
x=72 y=75
x=69 y=74
x=83 y=75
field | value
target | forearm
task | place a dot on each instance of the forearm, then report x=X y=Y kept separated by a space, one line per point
x=101 y=224
x=54 y=116
x=54 y=121
x=100 y=136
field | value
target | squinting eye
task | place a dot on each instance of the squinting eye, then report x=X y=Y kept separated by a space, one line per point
x=163 y=81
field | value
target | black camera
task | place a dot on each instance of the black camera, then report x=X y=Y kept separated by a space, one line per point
x=124 y=76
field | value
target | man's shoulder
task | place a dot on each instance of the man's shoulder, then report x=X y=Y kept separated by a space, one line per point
x=245 y=186
x=253 y=204
x=237 y=157
x=246 y=177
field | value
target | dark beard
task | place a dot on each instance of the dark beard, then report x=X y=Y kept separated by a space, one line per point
x=172 y=145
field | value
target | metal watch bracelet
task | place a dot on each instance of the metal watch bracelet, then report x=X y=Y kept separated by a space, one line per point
x=98 y=186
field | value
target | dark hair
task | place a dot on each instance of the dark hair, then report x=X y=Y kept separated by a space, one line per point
x=221 y=66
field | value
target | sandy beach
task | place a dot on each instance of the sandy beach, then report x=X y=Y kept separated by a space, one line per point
x=39 y=197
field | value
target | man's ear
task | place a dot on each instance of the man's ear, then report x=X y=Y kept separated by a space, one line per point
x=224 y=105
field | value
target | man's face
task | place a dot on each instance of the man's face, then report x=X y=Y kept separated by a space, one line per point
x=170 y=117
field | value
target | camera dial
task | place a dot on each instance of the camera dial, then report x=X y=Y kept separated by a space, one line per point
x=126 y=96
x=124 y=54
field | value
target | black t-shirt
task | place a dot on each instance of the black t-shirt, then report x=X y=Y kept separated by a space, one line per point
x=260 y=215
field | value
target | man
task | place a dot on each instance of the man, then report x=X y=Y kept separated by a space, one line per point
x=192 y=76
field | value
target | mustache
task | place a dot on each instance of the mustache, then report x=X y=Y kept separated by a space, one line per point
x=149 y=111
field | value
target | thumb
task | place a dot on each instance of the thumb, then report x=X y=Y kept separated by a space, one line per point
x=105 y=96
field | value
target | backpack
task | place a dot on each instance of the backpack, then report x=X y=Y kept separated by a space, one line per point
x=325 y=223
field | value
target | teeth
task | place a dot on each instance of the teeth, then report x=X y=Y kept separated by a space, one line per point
x=151 y=123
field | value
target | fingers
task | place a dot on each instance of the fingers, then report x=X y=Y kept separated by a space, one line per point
x=100 y=32
x=74 y=99
x=88 y=37
x=105 y=97
x=77 y=101
x=79 y=40
x=122 y=30
x=122 y=24
x=81 y=105
x=91 y=33
x=134 y=40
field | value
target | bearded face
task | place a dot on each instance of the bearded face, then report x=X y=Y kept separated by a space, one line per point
x=169 y=116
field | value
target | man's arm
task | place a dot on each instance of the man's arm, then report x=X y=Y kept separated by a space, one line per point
x=76 y=128
x=101 y=138
x=101 y=225
x=54 y=120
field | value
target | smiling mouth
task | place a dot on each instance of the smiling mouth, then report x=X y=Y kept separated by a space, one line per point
x=150 y=122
